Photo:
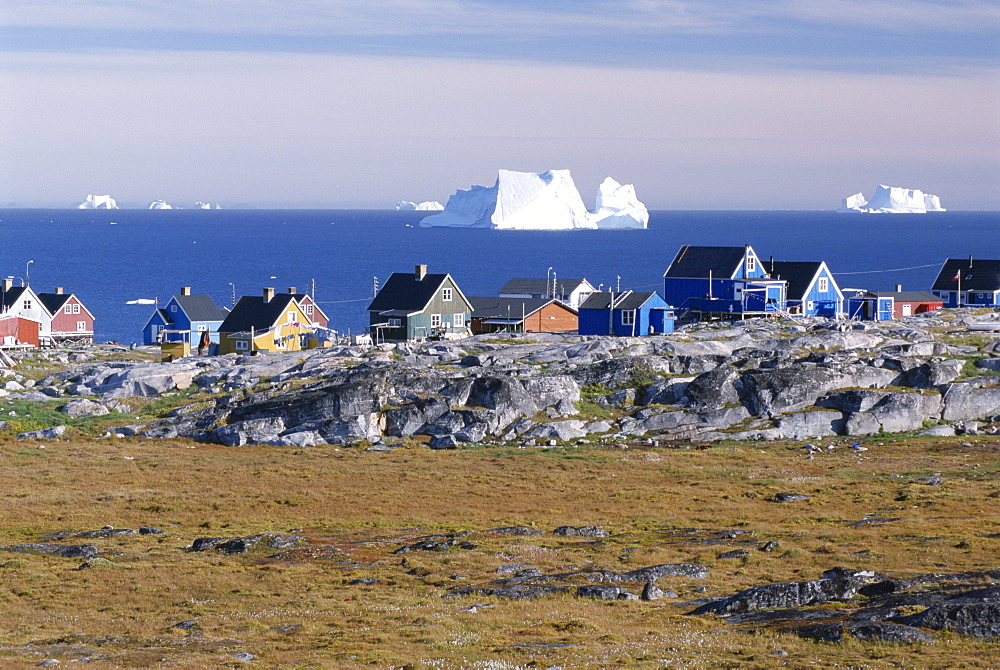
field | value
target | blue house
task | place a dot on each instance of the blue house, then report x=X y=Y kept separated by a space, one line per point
x=184 y=318
x=722 y=282
x=632 y=313
x=968 y=282
x=812 y=290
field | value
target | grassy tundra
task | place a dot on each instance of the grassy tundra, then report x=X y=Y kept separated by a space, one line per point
x=296 y=607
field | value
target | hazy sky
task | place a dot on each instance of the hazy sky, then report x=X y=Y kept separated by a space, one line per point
x=718 y=104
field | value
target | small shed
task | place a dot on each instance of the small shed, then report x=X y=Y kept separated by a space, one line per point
x=908 y=303
x=870 y=307
x=521 y=315
x=627 y=314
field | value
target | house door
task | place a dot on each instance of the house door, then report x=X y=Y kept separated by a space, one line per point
x=907 y=309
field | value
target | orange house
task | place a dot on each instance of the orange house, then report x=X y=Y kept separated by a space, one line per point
x=521 y=315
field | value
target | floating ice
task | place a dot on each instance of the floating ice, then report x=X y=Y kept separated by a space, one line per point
x=540 y=201
x=428 y=206
x=893 y=200
x=159 y=204
x=98 y=202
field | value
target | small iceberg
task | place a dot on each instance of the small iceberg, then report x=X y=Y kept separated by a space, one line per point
x=428 y=206
x=159 y=204
x=98 y=202
x=892 y=200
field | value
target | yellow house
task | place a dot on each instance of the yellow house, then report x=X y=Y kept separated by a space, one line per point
x=266 y=323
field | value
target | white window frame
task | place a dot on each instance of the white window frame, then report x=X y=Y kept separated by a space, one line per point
x=242 y=345
x=823 y=285
x=435 y=320
x=81 y=326
x=309 y=310
x=68 y=309
x=202 y=327
x=395 y=322
x=628 y=317
x=458 y=320
x=290 y=317
x=810 y=305
x=751 y=264
x=446 y=294
x=26 y=304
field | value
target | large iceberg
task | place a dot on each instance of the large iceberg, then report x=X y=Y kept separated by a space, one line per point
x=159 y=204
x=98 y=202
x=893 y=200
x=428 y=206
x=540 y=201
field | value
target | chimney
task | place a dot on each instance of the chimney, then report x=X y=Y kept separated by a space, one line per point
x=185 y=290
x=6 y=284
x=420 y=273
x=899 y=288
x=291 y=290
x=59 y=290
x=268 y=294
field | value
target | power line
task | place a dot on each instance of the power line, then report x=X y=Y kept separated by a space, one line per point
x=868 y=272
x=337 y=302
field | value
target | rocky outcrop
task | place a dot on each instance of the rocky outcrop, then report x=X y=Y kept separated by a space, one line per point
x=752 y=380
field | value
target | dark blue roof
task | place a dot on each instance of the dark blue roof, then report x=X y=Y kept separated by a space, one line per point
x=976 y=275
x=702 y=262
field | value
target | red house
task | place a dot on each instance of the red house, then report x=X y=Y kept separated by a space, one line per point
x=71 y=320
x=18 y=332
x=908 y=303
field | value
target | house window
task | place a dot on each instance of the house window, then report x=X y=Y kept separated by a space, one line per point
x=751 y=264
x=824 y=285
x=435 y=320
x=446 y=294
x=68 y=309
x=203 y=327
x=810 y=305
x=290 y=317
x=628 y=317
x=26 y=304
x=242 y=345
x=279 y=343
x=173 y=308
x=309 y=310
x=395 y=322
x=81 y=326
x=458 y=320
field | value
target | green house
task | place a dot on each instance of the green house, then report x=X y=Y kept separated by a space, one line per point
x=418 y=306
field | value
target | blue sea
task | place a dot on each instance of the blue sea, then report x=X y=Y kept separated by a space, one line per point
x=110 y=257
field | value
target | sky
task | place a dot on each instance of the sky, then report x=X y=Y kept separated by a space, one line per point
x=701 y=104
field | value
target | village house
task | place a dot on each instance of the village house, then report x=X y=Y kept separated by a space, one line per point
x=316 y=316
x=71 y=321
x=521 y=315
x=29 y=322
x=631 y=313
x=908 y=303
x=570 y=291
x=417 y=306
x=811 y=287
x=722 y=282
x=185 y=318
x=968 y=283
x=265 y=323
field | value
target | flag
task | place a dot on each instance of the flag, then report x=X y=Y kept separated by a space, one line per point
x=958 y=275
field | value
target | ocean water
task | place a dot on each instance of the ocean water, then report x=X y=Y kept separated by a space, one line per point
x=110 y=257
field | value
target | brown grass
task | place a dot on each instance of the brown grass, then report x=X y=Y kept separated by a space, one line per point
x=357 y=507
